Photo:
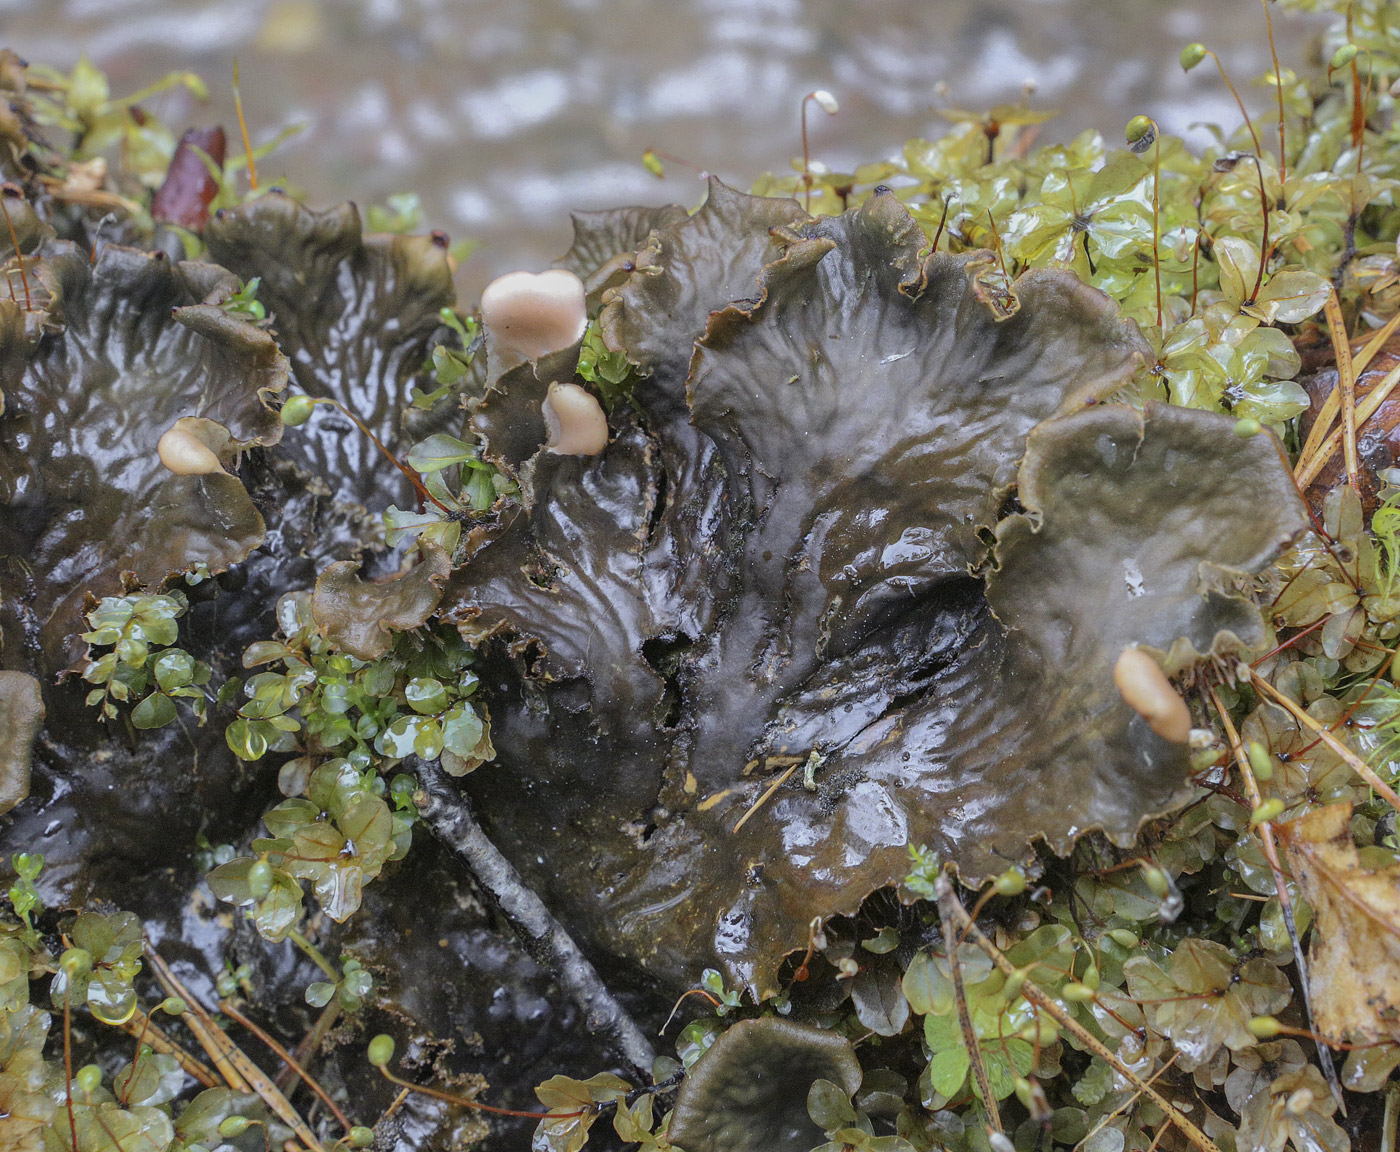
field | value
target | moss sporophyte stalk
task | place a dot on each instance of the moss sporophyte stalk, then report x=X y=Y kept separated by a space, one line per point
x=709 y=609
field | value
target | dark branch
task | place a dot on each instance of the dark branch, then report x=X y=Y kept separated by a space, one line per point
x=448 y=813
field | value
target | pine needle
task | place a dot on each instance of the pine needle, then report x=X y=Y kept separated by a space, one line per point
x=243 y=131
x=1270 y=849
x=762 y=800
x=1358 y=765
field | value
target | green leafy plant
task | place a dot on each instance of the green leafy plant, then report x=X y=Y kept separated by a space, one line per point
x=450 y=365
x=610 y=372
x=349 y=991
x=99 y=968
x=142 y=669
x=245 y=301
x=416 y=700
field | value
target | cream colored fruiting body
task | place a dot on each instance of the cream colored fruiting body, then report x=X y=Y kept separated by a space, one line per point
x=1147 y=691
x=183 y=453
x=529 y=315
x=574 y=421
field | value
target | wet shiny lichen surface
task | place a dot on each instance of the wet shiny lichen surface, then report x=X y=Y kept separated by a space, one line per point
x=780 y=629
x=840 y=553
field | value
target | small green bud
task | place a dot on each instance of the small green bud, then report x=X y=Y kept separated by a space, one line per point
x=260 y=880
x=1156 y=881
x=1264 y=1027
x=1395 y=667
x=1012 y=882
x=87 y=1079
x=1090 y=979
x=381 y=1050
x=1124 y=937
x=234 y=1126
x=173 y=1006
x=652 y=163
x=1024 y=1092
x=1077 y=993
x=1014 y=983
x=75 y=962
x=1192 y=55
x=1141 y=134
x=1342 y=56
x=1042 y=1031
x=1260 y=762
x=1271 y=809
x=296 y=411
x=360 y=1136
x=1247 y=427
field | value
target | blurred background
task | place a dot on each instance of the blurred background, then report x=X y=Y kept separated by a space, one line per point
x=506 y=114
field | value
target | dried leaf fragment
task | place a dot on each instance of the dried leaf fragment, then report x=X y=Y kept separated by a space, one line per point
x=1354 y=969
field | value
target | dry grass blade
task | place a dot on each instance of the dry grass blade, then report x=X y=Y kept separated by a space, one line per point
x=947 y=898
x=1346 y=386
x=762 y=800
x=1328 y=412
x=199 y=1022
x=1270 y=848
x=1358 y=765
x=147 y=1031
x=287 y=1058
x=240 y=1072
x=1057 y=1012
x=1307 y=472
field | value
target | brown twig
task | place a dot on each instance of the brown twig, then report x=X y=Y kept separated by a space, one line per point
x=464 y=1102
x=19 y=256
x=414 y=477
x=1322 y=425
x=947 y=898
x=762 y=800
x=238 y=1071
x=311 y=1042
x=243 y=129
x=448 y=813
x=1346 y=386
x=1307 y=472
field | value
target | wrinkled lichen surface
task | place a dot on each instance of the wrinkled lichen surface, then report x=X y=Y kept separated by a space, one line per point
x=786 y=579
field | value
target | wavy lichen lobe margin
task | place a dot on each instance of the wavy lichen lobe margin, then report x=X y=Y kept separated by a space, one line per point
x=740 y=660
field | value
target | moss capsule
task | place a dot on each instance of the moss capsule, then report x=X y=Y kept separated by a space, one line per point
x=381 y=1050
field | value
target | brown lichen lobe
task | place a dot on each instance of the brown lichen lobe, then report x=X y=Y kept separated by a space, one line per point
x=784 y=558
x=749 y=1090
x=131 y=345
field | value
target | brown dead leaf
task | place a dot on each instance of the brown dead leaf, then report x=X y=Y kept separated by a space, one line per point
x=1354 y=958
